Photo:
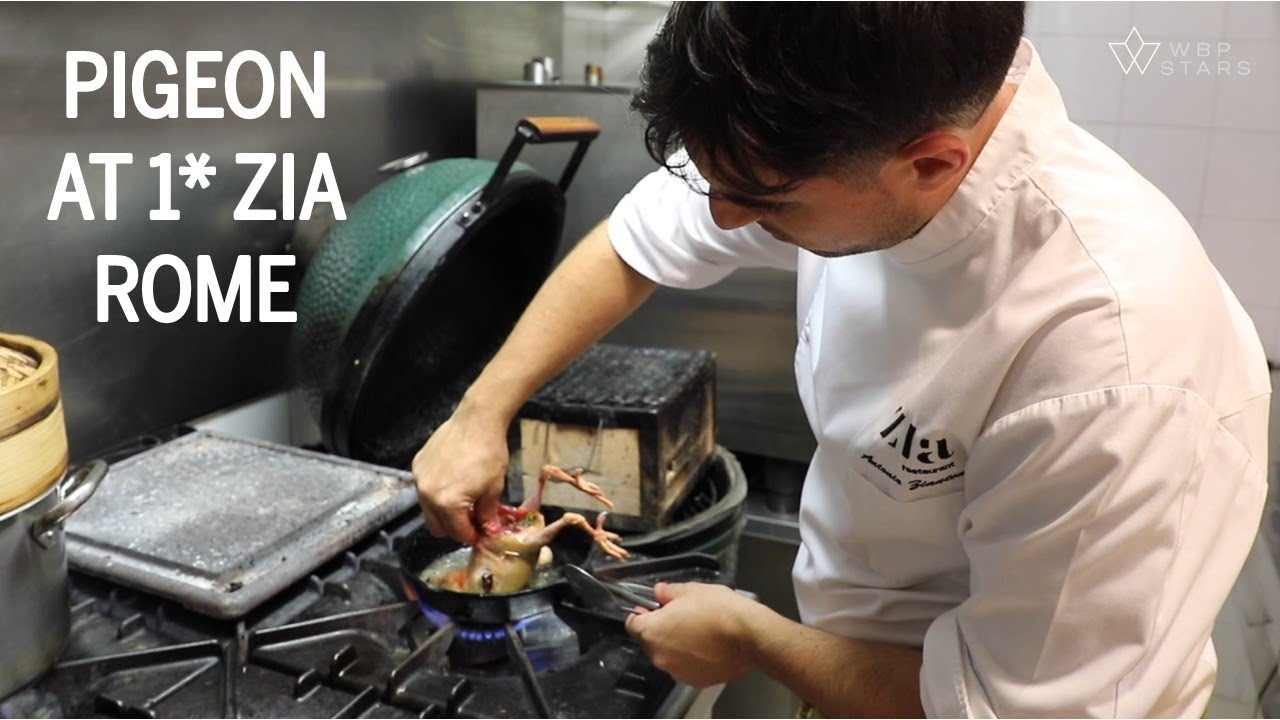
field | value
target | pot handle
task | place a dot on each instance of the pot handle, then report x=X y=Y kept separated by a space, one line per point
x=535 y=131
x=76 y=489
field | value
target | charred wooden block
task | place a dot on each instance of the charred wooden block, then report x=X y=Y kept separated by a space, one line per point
x=644 y=418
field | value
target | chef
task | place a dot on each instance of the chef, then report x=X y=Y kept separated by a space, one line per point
x=1041 y=415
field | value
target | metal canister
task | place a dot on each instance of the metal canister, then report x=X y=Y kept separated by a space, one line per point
x=535 y=72
x=549 y=64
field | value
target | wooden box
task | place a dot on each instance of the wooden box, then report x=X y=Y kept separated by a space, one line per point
x=641 y=419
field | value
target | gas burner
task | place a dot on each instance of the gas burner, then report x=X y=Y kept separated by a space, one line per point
x=343 y=643
x=534 y=635
x=546 y=642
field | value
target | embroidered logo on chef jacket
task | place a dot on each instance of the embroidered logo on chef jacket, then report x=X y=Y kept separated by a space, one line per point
x=906 y=463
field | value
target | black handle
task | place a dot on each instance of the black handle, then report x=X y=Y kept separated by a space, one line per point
x=535 y=131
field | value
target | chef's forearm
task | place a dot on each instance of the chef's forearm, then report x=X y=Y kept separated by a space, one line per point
x=588 y=294
x=838 y=676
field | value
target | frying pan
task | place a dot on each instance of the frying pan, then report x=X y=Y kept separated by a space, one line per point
x=419 y=550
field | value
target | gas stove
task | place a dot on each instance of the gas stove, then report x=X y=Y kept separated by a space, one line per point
x=343 y=642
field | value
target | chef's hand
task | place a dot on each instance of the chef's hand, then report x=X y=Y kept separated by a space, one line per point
x=699 y=633
x=460 y=473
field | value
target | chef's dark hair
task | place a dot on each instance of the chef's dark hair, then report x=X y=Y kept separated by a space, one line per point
x=805 y=89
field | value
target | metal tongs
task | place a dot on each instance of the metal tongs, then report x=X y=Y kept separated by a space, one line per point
x=601 y=595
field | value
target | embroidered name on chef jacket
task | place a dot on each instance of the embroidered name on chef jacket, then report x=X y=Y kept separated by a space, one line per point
x=907 y=464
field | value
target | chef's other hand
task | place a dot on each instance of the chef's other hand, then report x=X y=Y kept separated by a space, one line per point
x=460 y=472
x=699 y=634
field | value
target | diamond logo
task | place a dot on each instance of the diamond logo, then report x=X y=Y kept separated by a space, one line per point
x=1134 y=52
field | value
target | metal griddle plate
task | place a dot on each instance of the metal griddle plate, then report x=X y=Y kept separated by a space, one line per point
x=221 y=524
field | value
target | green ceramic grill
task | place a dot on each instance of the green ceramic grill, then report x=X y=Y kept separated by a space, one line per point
x=407 y=299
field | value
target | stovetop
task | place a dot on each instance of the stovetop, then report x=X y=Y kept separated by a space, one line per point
x=344 y=642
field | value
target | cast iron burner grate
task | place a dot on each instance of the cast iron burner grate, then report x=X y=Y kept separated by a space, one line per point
x=340 y=644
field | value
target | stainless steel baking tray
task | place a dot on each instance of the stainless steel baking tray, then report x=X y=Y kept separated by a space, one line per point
x=220 y=524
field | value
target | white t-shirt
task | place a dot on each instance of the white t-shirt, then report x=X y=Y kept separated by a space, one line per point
x=1041 y=425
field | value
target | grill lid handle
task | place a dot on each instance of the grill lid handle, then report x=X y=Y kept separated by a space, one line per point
x=536 y=131
x=558 y=129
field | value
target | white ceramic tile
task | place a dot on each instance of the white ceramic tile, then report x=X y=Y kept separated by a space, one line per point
x=1108 y=133
x=1248 y=256
x=1250 y=101
x=1244 y=176
x=1178 y=20
x=1173 y=159
x=1087 y=74
x=1103 y=19
x=1168 y=99
x=1252 y=21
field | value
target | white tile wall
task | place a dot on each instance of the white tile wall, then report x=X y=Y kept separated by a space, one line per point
x=1174 y=100
x=1211 y=141
x=1169 y=20
x=1087 y=75
x=1252 y=102
x=1252 y=21
x=1177 y=156
x=1108 y=133
x=1244 y=177
x=1266 y=319
x=1233 y=246
x=1088 y=19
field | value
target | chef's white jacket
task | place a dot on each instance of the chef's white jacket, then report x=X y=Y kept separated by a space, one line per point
x=1041 y=425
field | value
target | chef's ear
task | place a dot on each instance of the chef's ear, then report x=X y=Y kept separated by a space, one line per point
x=934 y=160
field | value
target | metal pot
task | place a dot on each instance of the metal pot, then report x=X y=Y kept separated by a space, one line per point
x=35 y=610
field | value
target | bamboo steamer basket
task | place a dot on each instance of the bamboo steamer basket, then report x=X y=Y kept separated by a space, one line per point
x=33 y=433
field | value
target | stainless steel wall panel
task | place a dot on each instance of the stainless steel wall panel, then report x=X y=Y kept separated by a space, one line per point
x=400 y=78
